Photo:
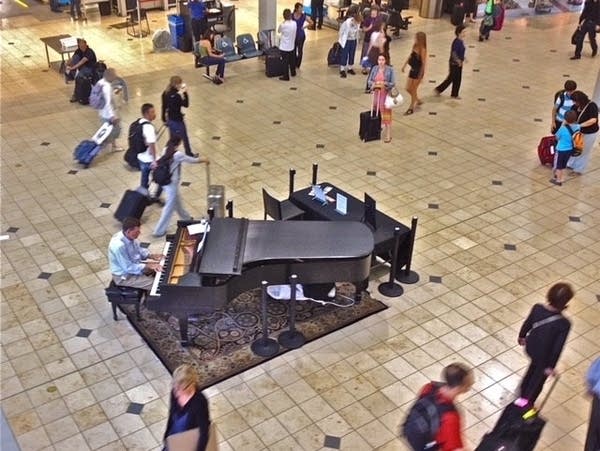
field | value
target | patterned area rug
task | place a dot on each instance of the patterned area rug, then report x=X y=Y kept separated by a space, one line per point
x=221 y=340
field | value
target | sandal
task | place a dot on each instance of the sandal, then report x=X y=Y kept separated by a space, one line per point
x=409 y=112
x=387 y=140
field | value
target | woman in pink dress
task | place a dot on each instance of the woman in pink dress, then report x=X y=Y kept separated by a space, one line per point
x=381 y=80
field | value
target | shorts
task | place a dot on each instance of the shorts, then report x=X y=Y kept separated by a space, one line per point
x=414 y=74
x=562 y=157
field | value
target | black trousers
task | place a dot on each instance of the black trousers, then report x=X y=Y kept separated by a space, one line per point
x=592 y=441
x=289 y=63
x=588 y=27
x=533 y=382
x=316 y=10
x=299 y=50
x=454 y=78
x=199 y=26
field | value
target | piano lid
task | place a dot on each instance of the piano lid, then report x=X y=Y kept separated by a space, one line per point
x=233 y=242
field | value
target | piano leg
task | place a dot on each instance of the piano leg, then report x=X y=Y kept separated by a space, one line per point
x=360 y=287
x=183 y=330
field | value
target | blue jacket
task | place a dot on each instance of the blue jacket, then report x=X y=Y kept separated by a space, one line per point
x=388 y=75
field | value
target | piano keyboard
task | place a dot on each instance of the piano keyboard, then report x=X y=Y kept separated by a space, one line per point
x=159 y=275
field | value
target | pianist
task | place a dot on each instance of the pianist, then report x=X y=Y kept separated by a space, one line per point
x=130 y=264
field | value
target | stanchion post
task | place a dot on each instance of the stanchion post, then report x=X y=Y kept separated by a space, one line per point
x=407 y=275
x=315 y=169
x=229 y=208
x=291 y=185
x=391 y=289
x=211 y=213
x=292 y=339
x=264 y=346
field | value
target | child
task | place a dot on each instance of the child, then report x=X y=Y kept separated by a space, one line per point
x=488 y=21
x=564 y=146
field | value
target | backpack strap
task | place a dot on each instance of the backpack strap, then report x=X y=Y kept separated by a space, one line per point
x=570 y=129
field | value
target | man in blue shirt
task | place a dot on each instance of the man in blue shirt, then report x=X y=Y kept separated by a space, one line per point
x=592 y=441
x=199 y=19
x=130 y=264
x=457 y=59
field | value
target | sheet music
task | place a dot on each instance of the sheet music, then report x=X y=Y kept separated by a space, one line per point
x=199 y=227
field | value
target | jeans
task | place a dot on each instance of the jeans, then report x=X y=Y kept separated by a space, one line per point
x=172 y=204
x=75 y=7
x=588 y=27
x=454 y=78
x=316 y=11
x=348 y=51
x=299 y=50
x=178 y=128
x=215 y=60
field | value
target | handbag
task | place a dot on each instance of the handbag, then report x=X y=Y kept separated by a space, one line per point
x=393 y=99
x=577 y=36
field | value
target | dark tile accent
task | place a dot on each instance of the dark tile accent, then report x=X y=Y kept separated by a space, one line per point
x=276 y=122
x=52 y=389
x=432 y=113
x=293 y=88
x=216 y=138
x=239 y=101
x=537 y=119
x=516 y=60
x=481 y=99
x=435 y=279
x=44 y=70
x=26 y=56
x=145 y=245
x=12 y=230
x=497 y=182
x=45 y=144
x=432 y=153
x=130 y=39
x=574 y=218
x=44 y=275
x=510 y=247
x=432 y=81
x=104 y=205
x=320 y=146
x=332 y=442
x=566 y=75
x=432 y=56
x=11 y=43
x=333 y=108
x=83 y=333
x=488 y=135
x=598 y=297
x=475 y=70
x=552 y=50
x=471 y=46
x=18 y=165
x=371 y=173
x=72 y=172
x=186 y=183
x=525 y=86
x=433 y=206
x=135 y=408
x=256 y=164
x=508 y=38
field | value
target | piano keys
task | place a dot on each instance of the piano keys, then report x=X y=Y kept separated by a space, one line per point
x=237 y=254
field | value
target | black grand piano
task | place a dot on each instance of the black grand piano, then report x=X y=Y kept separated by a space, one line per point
x=207 y=264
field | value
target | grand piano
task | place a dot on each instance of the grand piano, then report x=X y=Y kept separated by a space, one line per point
x=207 y=264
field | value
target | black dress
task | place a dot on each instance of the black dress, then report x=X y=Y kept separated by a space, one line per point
x=416 y=64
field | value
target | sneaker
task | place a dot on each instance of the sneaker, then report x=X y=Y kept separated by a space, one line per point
x=343 y=74
x=351 y=72
x=575 y=57
x=284 y=78
x=73 y=99
x=555 y=182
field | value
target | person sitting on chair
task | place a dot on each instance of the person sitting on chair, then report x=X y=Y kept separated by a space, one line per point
x=209 y=56
x=126 y=258
x=82 y=63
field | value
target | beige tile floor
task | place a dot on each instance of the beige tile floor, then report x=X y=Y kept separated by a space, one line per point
x=64 y=392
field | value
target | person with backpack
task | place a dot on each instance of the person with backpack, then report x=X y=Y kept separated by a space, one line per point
x=543 y=334
x=564 y=146
x=167 y=174
x=587 y=111
x=563 y=102
x=101 y=98
x=433 y=421
x=174 y=98
x=147 y=158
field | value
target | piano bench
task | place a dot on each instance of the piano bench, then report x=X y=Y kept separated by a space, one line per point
x=124 y=295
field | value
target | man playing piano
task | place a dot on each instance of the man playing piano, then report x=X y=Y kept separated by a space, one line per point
x=130 y=264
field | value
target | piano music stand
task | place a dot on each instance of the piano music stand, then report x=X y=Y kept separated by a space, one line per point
x=264 y=346
x=292 y=339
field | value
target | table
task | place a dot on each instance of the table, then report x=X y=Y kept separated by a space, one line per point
x=383 y=235
x=54 y=43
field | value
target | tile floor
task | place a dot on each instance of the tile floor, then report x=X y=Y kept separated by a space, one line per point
x=73 y=379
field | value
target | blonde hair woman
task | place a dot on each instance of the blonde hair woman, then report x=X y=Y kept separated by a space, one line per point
x=417 y=61
x=188 y=410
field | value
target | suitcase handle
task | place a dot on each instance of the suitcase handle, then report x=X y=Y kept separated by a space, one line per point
x=554 y=382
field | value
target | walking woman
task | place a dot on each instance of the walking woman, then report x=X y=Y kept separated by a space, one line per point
x=457 y=59
x=381 y=81
x=299 y=17
x=417 y=61
x=173 y=99
x=189 y=419
x=587 y=117
x=173 y=158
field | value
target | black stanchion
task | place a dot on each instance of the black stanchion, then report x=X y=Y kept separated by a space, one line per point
x=264 y=346
x=229 y=208
x=314 y=173
x=390 y=288
x=211 y=213
x=292 y=338
x=291 y=185
x=406 y=275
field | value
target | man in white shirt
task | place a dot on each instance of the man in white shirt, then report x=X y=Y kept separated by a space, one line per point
x=148 y=158
x=109 y=113
x=287 y=43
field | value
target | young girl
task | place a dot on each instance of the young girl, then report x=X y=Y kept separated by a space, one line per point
x=417 y=61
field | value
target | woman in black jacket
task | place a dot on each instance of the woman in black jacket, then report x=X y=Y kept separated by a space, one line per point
x=173 y=98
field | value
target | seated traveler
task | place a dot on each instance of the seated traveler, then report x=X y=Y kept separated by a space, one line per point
x=209 y=56
x=82 y=63
x=126 y=258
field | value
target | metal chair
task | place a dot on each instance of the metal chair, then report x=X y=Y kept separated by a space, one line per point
x=246 y=46
x=225 y=45
x=280 y=210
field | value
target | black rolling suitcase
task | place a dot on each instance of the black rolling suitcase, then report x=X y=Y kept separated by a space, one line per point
x=517 y=429
x=132 y=205
x=370 y=123
x=458 y=14
x=273 y=62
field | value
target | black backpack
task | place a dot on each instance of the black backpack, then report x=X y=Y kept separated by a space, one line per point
x=424 y=419
x=334 y=55
x=560 y=94
x=136 y=143
x=161 y=174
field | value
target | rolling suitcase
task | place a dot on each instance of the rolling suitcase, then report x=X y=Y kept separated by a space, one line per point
x=498 y=13
x=458 y=14
x=546 y=150
x=370 y=123
x=517 y=429
x=215 y=196
x=132 y=205
x=87 y=149
x=273 y=62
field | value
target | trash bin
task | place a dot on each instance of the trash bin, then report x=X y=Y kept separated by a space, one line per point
x=431 y=9
x=176 y=28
